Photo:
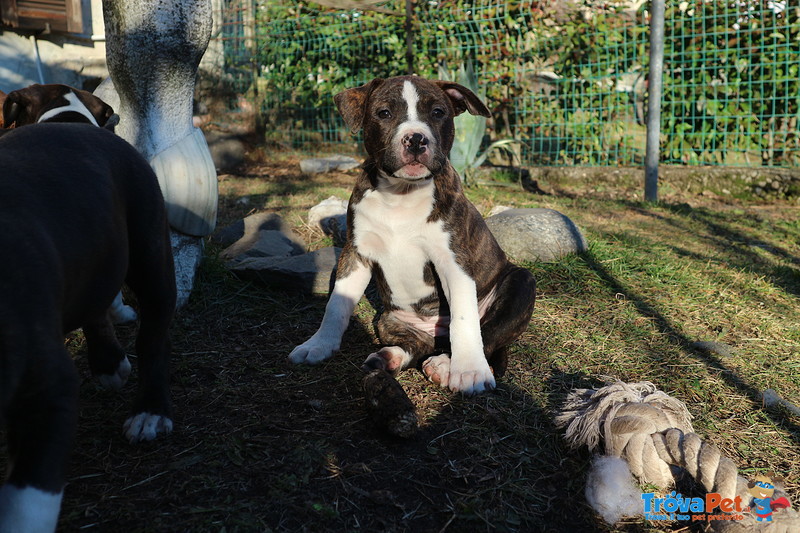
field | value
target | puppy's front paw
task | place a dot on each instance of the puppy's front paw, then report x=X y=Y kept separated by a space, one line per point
x=146 y=426
x=470 y=377
x=313 y=351
x=116 y=380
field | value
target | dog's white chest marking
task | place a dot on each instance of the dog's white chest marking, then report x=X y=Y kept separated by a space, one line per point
x=392 y=230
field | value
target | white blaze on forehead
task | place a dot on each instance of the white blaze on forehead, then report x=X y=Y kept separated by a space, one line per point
x=412 y=123
x=75 y=105
x=411 y=97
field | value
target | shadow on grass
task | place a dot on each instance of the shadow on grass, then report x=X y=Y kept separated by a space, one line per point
x=261 y=444
x=738 y=245
x=663 y=324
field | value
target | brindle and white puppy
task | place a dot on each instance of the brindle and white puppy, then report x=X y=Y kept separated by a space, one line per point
x=452 y=300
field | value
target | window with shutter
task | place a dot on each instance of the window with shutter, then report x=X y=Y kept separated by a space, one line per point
x=53 y=15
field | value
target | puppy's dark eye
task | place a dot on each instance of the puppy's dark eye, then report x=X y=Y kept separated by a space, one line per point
x=438 y=112
x=384 y=114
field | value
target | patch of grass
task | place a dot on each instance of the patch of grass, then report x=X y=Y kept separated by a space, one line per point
x=263 y=445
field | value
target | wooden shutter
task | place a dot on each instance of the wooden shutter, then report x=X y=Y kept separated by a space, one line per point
x=56 y=15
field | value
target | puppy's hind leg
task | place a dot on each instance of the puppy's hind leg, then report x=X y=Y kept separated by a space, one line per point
x=508 y=317
x=405 y=345
x=107 y=359
x=41 y=431
x=151 y=276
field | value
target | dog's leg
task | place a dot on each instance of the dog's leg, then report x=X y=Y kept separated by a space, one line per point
x=469 y=370
x=508 y=317
x=151 y=276
x=408 y=346
x=28 y=509
x=405 y=345
x=347 y=291
x=107 y=359
x=41 y=430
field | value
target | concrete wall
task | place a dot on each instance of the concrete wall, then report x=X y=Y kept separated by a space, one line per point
x=77 y=60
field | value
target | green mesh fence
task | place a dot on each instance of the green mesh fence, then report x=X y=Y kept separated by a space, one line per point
x=731 y=83
x=569 y=84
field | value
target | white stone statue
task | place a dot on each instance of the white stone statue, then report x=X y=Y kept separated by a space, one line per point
x=153 y=49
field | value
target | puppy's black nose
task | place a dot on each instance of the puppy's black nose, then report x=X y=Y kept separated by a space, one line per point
x=416 y=143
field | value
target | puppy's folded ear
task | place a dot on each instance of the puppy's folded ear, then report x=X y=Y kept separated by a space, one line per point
x=13 y=107
x=352 y=104
x=21 y=105
x=463 y=99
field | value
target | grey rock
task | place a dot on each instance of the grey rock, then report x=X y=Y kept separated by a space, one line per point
x=246 y=230
x=336 y=228
x=327 y=164
x=328 y=207
x=536 y=234
x=719 y=348
x=310 y=273
x=227 y=151
x=331 y=216
x=496 y=210
x=267 y=243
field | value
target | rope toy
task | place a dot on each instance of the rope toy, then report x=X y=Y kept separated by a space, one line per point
x=652 y=431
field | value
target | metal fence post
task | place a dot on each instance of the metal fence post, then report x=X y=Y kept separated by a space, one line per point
x=410 y=36
x=654 y=100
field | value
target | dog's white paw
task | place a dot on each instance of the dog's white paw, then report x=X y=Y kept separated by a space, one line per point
x=146 y=426
x=437 y=369
x=313 y=351
x=471 y=377
x=118 y=379
x=389 y=358
x=28 y=509
x=121 y=313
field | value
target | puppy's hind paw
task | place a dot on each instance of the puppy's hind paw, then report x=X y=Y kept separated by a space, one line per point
x=437 y=369
x=389 y=358
x=121 y=313
x=118 y=379
x=146 y=426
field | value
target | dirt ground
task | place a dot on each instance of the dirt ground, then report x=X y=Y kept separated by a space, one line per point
x=263 y=445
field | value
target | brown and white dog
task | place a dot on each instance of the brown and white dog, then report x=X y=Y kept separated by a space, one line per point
x=62 y=103
x=54 y=103
x=452 y=300
x=81 y=212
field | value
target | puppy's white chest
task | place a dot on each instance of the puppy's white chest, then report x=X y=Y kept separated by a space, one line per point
x=394 y=233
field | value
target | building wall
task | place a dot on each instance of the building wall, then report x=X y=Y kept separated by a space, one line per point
x=78 y=60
